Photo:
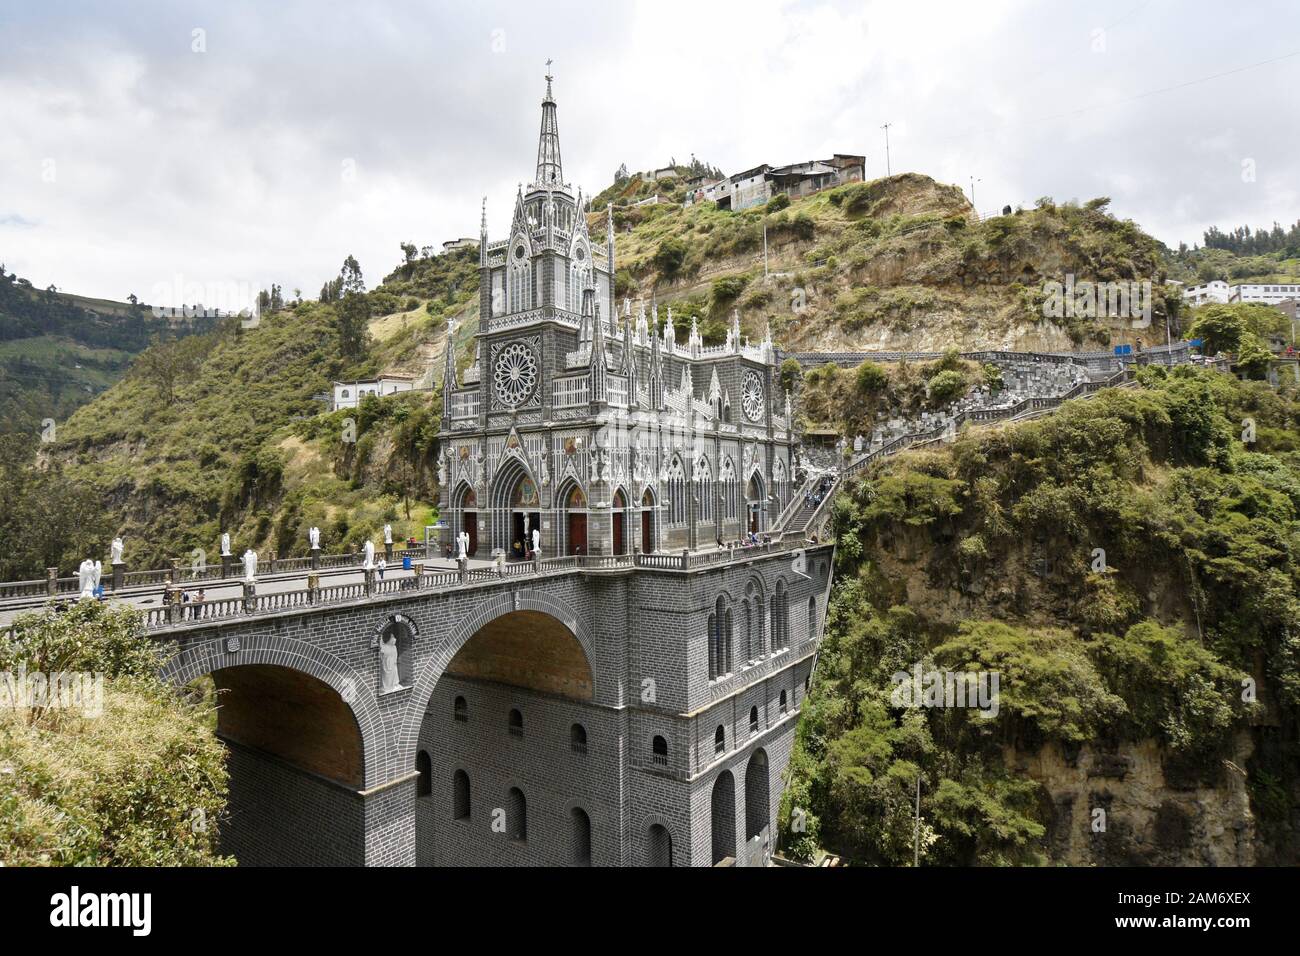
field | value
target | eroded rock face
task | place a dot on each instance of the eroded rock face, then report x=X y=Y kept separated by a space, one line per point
x=1122 y=807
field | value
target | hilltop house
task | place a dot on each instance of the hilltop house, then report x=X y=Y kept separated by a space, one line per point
x=349 y=394
x=753 y=187
x=1267 y=293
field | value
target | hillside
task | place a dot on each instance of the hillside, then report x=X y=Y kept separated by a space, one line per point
x=231 y=433
x=1241 y=255
x=228 y=432
x=1156 y=680
x=896 y=263
x=58 y=351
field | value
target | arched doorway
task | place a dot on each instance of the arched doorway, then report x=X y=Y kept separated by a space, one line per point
x=516 y=510
x=757 y=808
x=619 y=517
x=722 y=816
x=647 y=522
x=755 y=502
x=575 y=521
x=659 y=848
x=465 y=518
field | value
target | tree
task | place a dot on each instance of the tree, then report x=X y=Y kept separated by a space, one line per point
x=353 y=309
x=166 y=364
x=871 y=378
x=670 y=256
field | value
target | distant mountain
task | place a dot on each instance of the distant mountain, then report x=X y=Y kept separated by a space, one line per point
x=58 y=351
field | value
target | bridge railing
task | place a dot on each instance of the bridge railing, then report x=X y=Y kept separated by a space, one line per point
x=225 y=609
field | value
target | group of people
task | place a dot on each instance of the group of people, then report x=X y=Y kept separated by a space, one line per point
x=816 y=495
x=751 y=540
x=195 y=601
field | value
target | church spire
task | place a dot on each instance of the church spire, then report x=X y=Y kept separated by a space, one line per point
x=449 y=375
x=549 y=171
x=597 y=363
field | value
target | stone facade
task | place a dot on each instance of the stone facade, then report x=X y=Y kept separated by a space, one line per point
x=643 y=641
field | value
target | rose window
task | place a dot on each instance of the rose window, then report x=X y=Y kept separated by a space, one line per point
x=751 y=397
x=515 y=374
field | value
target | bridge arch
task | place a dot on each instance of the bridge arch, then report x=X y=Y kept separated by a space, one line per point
x=204 y=657
x=485 y=612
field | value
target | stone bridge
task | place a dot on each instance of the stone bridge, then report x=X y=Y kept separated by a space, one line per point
x=573 y=711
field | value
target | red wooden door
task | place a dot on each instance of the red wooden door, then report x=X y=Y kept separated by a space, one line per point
x=577 y=534
x=618 y=532
x=647 y=538
x=471 y=528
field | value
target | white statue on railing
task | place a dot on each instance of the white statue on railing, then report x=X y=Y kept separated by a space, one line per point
x=313 y=535
x=225 y=544
x=369 y=550
x=388 y=534
x=116 y=549
x=88 y=574
x=462 y=542
x=250 y=566
x=537 y=543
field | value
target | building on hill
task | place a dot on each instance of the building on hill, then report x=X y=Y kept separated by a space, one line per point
x=349 y=394
x=463 y=243
x=1265 y=293
x=753 y=187
x=666 y=172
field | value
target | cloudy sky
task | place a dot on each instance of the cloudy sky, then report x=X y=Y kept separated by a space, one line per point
x=149 y=146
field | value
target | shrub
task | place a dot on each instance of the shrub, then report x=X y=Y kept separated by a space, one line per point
x=946 y=386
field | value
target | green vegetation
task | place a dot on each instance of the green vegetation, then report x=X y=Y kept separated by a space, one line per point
x=1198 y=590
x=227 y=431
x=1242 y=255
x=140 y=782
x=1241 y=328
x=892 y=263
x=848 y=400
x=58 y=351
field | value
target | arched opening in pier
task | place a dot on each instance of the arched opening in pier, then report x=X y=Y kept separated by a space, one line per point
x=296 y=761
x=499 y=729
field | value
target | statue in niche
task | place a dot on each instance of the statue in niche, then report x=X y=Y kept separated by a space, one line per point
x=389 y=676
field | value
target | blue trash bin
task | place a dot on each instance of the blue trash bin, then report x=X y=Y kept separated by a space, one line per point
x=406 y=563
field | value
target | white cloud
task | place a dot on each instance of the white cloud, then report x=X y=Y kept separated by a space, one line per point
x=229 y=165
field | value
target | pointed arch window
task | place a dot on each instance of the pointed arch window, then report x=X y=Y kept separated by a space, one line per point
x=704 y=488
x=676 y=493
x=729 y=488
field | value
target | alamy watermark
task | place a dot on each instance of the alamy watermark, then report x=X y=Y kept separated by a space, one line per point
x=1096 y=300
x=935 y=688
x=58 y=690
